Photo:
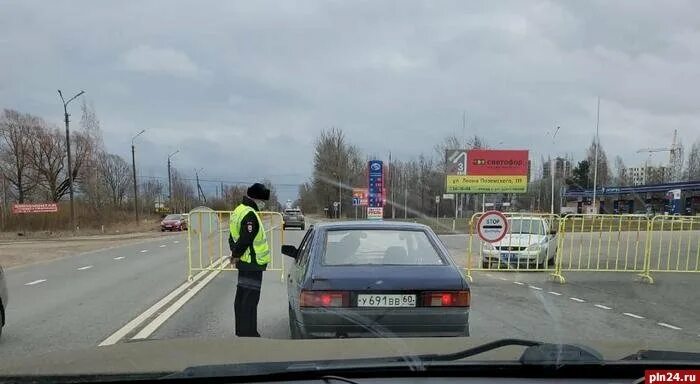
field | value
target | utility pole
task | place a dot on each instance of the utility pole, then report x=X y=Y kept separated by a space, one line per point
x=405 y=197
x=551 y=169
x=595 y=161
x=70 y=168
x=133 y=168
x=170 y=183
x=391 y=187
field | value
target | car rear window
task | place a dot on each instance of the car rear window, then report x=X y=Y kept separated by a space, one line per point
x=172 y=217
x=525 y=226
x=380 y=247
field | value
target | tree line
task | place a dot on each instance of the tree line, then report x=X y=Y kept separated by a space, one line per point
x=33 y=168
x=339 y=165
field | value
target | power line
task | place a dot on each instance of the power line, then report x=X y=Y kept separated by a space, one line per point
x=238 y=182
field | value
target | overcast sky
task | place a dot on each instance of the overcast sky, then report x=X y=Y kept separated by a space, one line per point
x=241 y=88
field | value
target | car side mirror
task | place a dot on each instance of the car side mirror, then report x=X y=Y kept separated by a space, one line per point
x=290 y=251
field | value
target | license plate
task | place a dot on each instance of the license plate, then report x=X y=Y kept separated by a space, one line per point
x=390 y=301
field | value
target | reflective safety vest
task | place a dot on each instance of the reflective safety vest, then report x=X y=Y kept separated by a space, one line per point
x=262 y=249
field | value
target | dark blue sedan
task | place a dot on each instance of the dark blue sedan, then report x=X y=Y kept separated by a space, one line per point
x=353 y=279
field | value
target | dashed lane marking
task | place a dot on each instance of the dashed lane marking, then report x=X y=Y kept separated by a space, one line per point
x=554 y=293
x=162 y=246
x=577 y=299
x=533 y=287
x=119 y=258
x=35 y=282
x=601 y=306
x=632 y=315
x=670 y=326
x=519 y=283
x=85 y=268
x=144 y=250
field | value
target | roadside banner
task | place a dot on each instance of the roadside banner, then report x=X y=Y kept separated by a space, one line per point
x=486 y=171
x=34 y=208
x=359 y=197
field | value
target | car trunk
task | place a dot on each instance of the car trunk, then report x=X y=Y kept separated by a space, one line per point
x=384 y=278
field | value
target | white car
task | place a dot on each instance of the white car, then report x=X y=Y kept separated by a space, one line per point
x=530 y=242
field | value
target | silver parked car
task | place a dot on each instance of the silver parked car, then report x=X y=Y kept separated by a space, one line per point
x=3 y=298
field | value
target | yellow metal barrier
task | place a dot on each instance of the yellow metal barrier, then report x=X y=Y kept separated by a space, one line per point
x=601 y=243
x=207 y=240
x=529 y=245
x=673 y=244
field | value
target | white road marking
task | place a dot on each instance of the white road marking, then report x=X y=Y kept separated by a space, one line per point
x=519 y=283
x=601 y=306
x=144 y=250
x=577 y=299
x=176 y=242
x=669 y=326
x=488 y=274
x=503 y=278
x=533 y=287
x=633 y=315
x=35 y=282
x=85 y=267
x=554 y=293
x=162 y=246
x=165 y=315
x=130 y=326
x=119 y=258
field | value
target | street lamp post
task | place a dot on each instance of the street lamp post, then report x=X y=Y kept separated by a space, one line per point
x=170 y=184
x=133 y=168
x=66 y=115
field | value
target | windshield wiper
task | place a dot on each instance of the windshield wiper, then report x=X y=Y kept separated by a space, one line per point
x=657 y=355
x=538 y=353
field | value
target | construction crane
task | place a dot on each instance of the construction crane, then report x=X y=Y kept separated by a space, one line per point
x=675 y=162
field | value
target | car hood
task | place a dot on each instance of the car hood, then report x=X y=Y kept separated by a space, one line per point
x=519 y=240
x=175 y=355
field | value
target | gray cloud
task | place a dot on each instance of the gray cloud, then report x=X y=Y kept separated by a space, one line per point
x=241 y=86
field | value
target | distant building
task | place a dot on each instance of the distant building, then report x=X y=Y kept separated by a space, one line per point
x=562 y=168
x=647 y=175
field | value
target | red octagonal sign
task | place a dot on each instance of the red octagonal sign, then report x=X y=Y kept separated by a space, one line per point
x=492 y=226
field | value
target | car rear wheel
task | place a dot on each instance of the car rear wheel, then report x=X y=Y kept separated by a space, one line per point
x=293 y=328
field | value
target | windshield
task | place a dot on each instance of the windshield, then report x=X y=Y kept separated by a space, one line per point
x=379 y=247
x=526 y=226
x=194 y=183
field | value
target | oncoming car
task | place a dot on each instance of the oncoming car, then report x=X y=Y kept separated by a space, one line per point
x=174 y=222
x=355 y=279
x=529 y=243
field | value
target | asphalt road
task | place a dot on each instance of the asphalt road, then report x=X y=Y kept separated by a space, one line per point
x=79 y=302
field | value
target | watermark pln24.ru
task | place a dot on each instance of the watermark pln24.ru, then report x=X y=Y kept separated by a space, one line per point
x=672 y=376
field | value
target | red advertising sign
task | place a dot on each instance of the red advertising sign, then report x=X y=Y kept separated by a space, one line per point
x=34 y=208
x=359 y=196
x=489 y=162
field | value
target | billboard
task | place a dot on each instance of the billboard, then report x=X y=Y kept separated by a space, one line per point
x=486 y=171
x=34 y=208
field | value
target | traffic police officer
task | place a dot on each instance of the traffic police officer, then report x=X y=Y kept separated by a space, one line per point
x=250 y=253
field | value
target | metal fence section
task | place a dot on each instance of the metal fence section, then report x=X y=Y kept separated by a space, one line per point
x=529 y=245
x=208 y=246
x=601 y=243
x=673 y=244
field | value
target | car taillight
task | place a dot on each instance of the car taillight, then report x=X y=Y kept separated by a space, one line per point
x=324 y=299
x=446 y=299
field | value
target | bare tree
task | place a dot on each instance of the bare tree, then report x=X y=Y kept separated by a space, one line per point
x=48 y=154
x=115 y=174
x=621 y=177
x=603 y=176
x=693 y=167
x=15 y=151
